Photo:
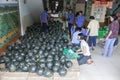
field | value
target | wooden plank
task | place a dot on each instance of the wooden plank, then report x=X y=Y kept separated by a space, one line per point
x=71 y=75
x=2 y=39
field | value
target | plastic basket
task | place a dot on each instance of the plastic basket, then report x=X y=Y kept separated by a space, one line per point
x=102 y=33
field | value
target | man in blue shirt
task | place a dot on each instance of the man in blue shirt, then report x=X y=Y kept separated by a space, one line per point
x=44 y=20
x=70 y=22
x=80 y=20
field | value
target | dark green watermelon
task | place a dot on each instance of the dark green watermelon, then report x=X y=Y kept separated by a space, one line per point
x=49 y=59
x=2 y=59
x=49 y=65
x=42 y=60
x=55 y=68
x=12 y=68
x=20 y=58
x=42 y=65
x=62 y=61
x=56 y=57
x=48 y=73
x=46 y=54
x=62 y=71
x=39 y=71
x=32 y=68
x=57 y=63
x=25 y=68
x=9 y=48
x=50 y=56
x=68 y=64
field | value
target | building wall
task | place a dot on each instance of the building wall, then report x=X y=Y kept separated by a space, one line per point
x=25 y=16
x=35 y=7
x=80 y=7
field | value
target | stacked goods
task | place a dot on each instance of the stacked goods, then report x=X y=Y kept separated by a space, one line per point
x=3 y=26
x=15 y=19
x=8 y=8
x=2 y=9
x=8 y=23
x=39 y=52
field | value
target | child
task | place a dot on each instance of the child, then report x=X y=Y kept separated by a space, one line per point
x=85 y=55
x=75 y=41
x=85 y=33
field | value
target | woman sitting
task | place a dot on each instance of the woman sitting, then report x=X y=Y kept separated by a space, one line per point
x=84 y=52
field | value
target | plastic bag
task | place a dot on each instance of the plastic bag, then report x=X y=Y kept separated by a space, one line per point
x=70 y=54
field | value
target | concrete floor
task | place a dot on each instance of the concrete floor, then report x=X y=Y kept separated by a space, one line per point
x=103 y=68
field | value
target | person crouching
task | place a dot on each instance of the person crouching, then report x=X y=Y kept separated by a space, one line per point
x=84 y=52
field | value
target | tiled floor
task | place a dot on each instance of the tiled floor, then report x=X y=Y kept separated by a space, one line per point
x=103 y=68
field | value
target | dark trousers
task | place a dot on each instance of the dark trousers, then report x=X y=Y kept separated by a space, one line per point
x=92 y=40
x=45 y=27
x=69 y=28
x=83 y=59
x=80 y=28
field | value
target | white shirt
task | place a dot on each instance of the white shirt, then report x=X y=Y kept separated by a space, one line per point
x=84 y=44
x=75 y=37
x=94 y=27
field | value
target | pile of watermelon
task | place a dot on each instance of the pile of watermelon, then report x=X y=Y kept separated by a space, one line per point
x=39 y=52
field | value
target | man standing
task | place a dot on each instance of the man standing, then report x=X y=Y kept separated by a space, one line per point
x=93 y=28
x=71 y=21
x=80 y=20
x=44 y=20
